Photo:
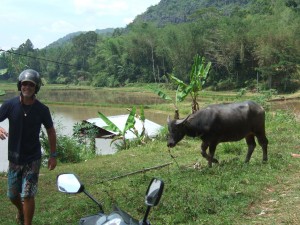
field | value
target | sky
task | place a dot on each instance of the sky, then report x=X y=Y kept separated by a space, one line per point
x=45 y=21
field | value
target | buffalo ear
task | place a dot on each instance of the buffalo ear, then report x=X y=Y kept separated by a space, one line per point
x=176 y=115
x=178 y=122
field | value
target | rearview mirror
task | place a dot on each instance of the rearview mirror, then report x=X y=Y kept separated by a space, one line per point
x=69 y=183
x=154 y=192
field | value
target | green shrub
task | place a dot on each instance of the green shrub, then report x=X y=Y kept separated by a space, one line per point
x=69 y=150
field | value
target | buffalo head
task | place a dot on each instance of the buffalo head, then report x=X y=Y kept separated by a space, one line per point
x=176 y=131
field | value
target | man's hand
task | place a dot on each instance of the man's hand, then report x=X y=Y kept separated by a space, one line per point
x=51 y=163
x=3 y=134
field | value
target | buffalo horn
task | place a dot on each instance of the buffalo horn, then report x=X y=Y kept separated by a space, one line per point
x=178 y=122
x=168 y=119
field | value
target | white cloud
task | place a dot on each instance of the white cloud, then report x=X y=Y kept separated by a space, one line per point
x=59 y=26
x=128 y=20
x=100 y=7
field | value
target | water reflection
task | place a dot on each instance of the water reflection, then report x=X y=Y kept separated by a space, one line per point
x=66 y=116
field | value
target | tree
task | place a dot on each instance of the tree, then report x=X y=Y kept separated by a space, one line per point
x=277 y=45
x=2 y=72
x=84 y=47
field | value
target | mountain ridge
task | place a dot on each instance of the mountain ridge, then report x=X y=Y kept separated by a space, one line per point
x=70 y=36
x=174 y=11
x=166 y=11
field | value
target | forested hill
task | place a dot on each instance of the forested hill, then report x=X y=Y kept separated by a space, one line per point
x=69 y=37
x=178 y=11
x=253 y=44
x=168 y=11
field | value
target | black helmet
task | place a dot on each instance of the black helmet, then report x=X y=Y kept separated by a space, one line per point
x=32 y=76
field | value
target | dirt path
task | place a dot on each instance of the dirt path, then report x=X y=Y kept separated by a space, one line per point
x=281 y=204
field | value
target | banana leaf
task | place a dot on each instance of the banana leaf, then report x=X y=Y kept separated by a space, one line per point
x=161 y=94
x=110 y=125
x=142 y=116
x=130 y=120
x=178 y=82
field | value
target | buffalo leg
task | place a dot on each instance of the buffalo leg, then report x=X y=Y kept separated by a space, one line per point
x=251 y=146
x=263 y=142
x=211 y=159
x=204 y=146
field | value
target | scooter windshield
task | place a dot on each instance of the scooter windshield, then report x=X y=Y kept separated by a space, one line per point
x=116 y=221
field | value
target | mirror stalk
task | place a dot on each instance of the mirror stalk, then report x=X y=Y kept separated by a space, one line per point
x=91 y=197
x=144 y=221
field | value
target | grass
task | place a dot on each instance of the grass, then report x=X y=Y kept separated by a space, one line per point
x=231 y=192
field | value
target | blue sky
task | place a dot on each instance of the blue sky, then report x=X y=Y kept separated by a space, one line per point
x=45 y=21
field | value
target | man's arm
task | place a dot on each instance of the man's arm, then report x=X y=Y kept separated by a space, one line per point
x=3 y=133
x=52 y=143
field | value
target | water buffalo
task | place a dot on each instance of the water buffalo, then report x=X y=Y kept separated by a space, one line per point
x=222 y=123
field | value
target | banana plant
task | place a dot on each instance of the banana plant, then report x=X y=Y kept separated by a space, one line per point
x=130 y=122
x=198 y=77
x=143 y=135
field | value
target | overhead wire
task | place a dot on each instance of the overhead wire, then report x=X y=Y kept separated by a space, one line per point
x=34 y=57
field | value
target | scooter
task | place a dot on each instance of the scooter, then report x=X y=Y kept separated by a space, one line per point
x=70 y=183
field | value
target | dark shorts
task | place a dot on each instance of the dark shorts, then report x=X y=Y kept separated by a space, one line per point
x=23 y=179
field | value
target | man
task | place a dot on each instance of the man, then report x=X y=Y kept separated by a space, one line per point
x=26 y=115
